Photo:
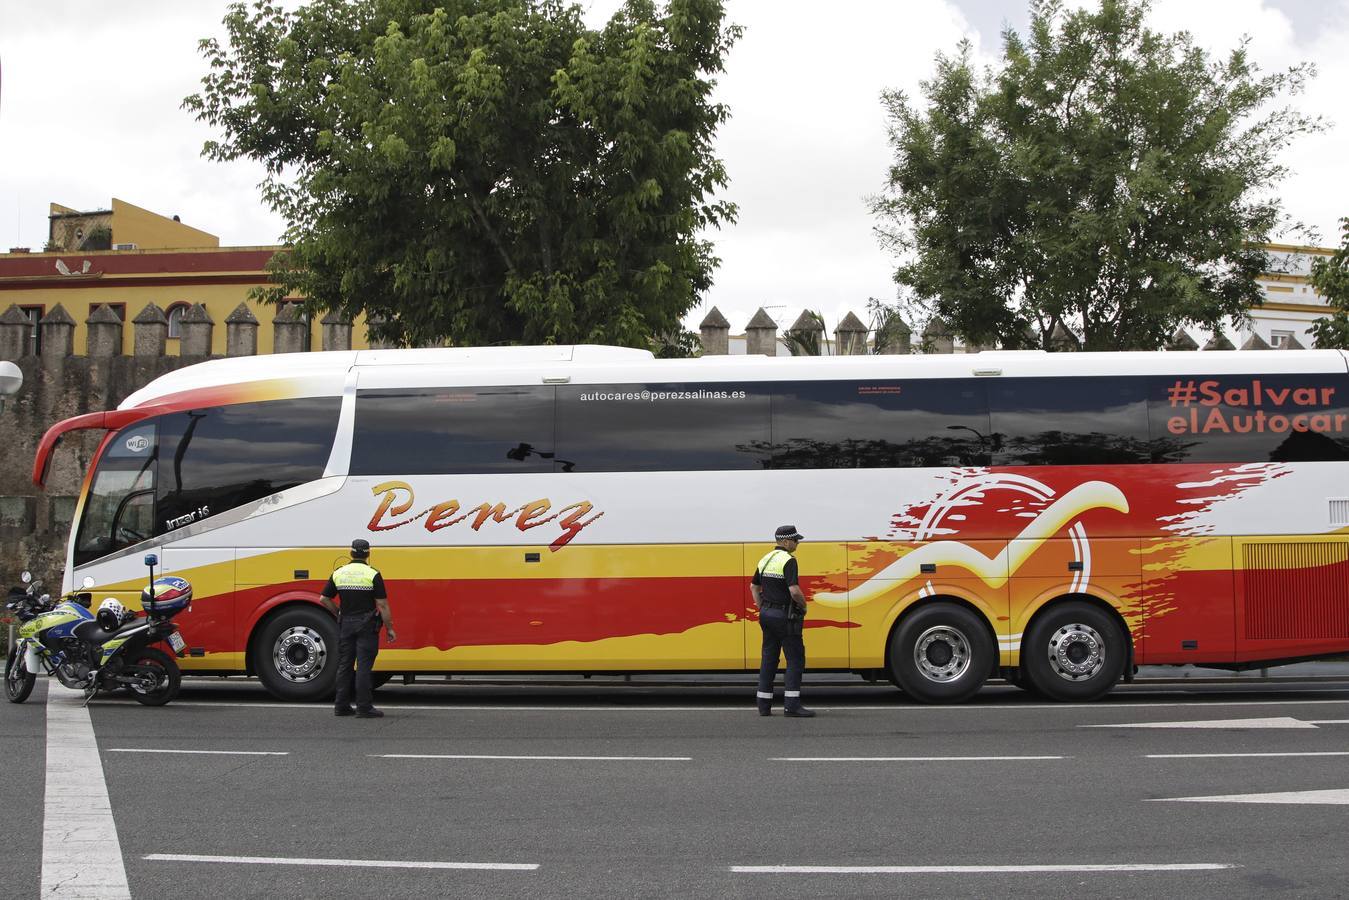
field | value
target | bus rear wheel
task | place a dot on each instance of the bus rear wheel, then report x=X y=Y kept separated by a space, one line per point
x=295 y=654
x=1075 y=652
x=942 y=653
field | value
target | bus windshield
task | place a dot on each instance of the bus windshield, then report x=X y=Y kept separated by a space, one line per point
x=119 y=510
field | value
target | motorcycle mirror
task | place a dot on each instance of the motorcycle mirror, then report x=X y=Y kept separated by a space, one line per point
x=151 y=559
x=26 y=577
x=88 y=582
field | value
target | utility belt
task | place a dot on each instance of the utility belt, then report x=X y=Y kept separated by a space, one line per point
x=793 y=611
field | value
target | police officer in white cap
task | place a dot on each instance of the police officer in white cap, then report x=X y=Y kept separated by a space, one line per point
x=782 y=616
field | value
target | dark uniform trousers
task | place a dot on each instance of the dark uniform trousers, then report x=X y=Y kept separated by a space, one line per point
x=781 y=635
x=357 y=637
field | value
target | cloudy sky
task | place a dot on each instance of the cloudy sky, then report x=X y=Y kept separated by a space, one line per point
x=91 y=93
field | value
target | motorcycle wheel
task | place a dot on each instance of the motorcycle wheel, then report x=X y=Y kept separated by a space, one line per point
x=18 y=680
x=169 y=679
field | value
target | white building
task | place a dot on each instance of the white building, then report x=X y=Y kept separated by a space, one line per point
x=1291 y=304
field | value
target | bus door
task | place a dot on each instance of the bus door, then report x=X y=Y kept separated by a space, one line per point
x=116 y=514
x=823 y=571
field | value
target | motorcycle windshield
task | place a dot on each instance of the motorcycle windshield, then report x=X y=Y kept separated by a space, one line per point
x=119 y=509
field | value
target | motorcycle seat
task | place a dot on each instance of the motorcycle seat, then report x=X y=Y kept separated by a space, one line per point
x=93 y=632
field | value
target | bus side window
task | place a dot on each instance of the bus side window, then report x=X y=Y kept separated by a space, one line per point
x=217 y=458
x=880 y=424
x=667 y=427
x=1089 y=421
x=453 y=430
x=1249 y=418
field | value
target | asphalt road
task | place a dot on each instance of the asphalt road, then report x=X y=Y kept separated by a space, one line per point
x=605 y=790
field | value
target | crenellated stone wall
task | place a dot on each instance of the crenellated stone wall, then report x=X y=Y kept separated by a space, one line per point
x=894 y=336
x=66 y=381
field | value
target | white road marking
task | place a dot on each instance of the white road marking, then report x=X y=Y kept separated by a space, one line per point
x=341 y=863
x=749 y=709
x=1329 y=721
x=1338 y=797
x=564 y=758
x=208 y=752
x=1276 y=722
x=977 y=870
x=1237 y=755
x=908 y=758
x=81 y=856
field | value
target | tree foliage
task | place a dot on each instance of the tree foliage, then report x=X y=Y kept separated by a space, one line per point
x=1104 y=178
x=806 y=341
x=482 y=171
x=1330 y=279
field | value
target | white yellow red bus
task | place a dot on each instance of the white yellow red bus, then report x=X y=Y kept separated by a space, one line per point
x=1058 y=519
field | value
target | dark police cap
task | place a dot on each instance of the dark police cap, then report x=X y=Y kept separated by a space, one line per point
x=787 y=533
x=360 y=547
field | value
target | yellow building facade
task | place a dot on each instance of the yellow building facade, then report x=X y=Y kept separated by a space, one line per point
x=126 y=258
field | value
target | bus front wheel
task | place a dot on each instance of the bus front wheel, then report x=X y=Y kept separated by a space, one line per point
x=295 y=654
x=1075 y=651
x=941 y=653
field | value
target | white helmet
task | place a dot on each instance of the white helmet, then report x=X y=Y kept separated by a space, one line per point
x=111 y=614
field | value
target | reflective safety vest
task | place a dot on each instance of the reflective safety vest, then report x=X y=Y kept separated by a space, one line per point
x=355 y=576
x=772 y=565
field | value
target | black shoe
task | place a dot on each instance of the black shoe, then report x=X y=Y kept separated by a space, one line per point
x=799 y=713
x=343 y=711
x=373 y=713
x=765 y=710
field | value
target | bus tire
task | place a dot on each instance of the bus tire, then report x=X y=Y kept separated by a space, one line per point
x=295 y=654
x=941 y=653
x=1075 y=652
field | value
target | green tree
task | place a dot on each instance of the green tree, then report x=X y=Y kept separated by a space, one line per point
x=1104 y=178
x=1330 y=279
x=482 y=171
x=806 y=339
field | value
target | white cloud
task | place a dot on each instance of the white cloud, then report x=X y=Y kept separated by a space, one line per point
x=90 y=109
x=806 y=147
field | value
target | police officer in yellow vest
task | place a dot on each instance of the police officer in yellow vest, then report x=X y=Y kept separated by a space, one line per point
x=782 y=615
x=360 y=588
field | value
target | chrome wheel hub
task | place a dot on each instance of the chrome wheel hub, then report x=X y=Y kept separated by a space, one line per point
x=1076 y=652
x=941 y=654
x=299 y=654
